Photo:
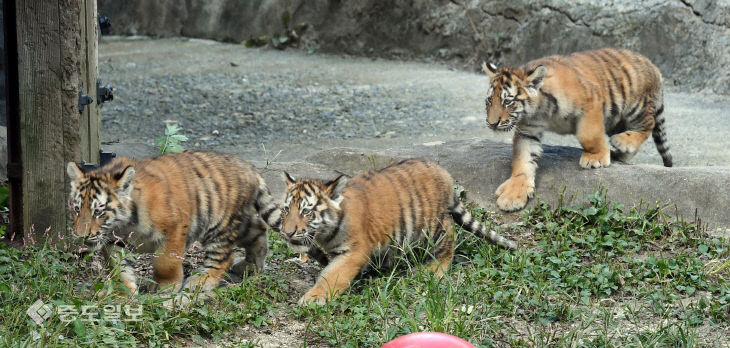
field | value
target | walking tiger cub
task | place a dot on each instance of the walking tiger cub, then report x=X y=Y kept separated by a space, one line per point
x=589 y=94
x=344 y=223
x=168 y=202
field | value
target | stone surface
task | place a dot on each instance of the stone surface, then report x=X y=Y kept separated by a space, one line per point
x=689 y=39
x=481 y=166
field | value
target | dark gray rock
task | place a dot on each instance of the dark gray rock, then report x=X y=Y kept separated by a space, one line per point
x=481 y=166
x=689 y=40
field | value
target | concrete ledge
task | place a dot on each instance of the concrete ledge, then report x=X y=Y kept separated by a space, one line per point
x=480 y=166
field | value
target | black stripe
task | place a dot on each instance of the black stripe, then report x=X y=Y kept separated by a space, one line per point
x=419 y=198
x=611 y=99
x=411 y=200
x=336 y=231
x=458 y=216
x=552 y=103
x=215 y=267
x=265 y=215
x=614 y=111
x=216 y=257
x=134 y=217
x=596 y=57
x=403 y=229
x=639 y=111
x=309 y=190
x=318 y=255
x=631 y=112
x=616 y=62
x=203 y=188
x=397 y=164
x=256 y=202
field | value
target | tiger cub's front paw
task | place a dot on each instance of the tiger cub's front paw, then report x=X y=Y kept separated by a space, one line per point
x=593 y=160
x=313 y=297
x=514 y=193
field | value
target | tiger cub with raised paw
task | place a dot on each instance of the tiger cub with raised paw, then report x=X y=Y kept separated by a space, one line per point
x=165 y=204
x=589 y=94
x=345 y=223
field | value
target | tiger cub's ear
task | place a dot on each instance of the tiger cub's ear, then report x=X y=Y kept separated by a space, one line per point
x=334 y=187
x=489 y=69
x=124 y=181
x=74 y=172
x=288 y=179
x=534 y=79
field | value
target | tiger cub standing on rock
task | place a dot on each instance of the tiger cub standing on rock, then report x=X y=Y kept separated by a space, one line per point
x=165 y=204
x=589 y=94
x=344 y=223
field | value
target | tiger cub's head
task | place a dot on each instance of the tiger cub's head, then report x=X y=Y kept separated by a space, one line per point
x=100 y=201
x=510 y=95
x=311 y=208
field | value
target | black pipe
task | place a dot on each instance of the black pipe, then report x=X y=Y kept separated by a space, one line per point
x=12 y=114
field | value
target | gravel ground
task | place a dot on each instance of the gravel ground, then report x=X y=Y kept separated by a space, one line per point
x=237 y=99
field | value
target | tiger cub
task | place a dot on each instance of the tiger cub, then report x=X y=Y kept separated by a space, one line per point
x=344 y=223
x=165 y=204
x=589 y=94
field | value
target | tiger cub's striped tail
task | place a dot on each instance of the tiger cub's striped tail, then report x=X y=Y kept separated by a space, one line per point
x=660 y=137
x=463 y=218
x=267 y=208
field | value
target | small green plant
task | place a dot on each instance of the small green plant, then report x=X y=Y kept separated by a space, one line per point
x=170 y=142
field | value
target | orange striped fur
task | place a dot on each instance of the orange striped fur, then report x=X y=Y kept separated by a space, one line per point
x=344 y=223
x=165 y=204
x=589 y=94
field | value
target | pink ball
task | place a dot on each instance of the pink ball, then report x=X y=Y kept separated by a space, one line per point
x=428 y=340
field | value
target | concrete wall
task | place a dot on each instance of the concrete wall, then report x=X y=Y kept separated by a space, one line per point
x=689 y=40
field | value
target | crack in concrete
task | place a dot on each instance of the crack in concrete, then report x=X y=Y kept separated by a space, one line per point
x=699 y=15
x=567 y=14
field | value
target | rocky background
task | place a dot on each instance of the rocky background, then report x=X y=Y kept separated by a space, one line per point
x=689 y=39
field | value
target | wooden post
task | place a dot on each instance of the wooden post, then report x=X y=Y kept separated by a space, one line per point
x=89 y=123
x=48 y=63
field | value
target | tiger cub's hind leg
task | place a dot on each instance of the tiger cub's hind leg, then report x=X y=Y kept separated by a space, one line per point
x=218 y=258
x=443 y=252
x=255 y=242
x=626 y=144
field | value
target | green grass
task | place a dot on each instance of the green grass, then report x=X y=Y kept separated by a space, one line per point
x=595 y=275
